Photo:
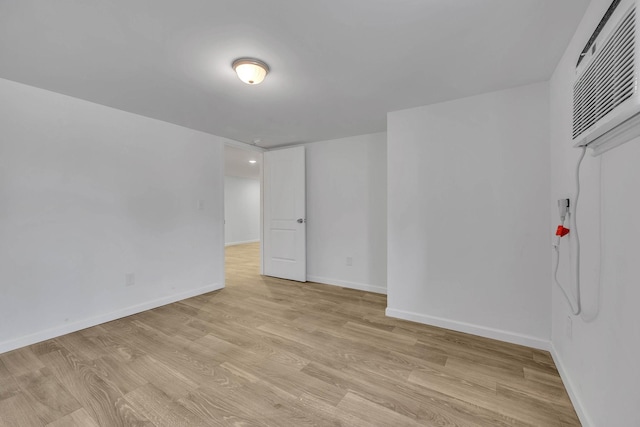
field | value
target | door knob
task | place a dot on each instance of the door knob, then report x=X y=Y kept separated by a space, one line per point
x=301 y=221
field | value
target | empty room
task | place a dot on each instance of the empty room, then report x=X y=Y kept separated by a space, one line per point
x=338 y=213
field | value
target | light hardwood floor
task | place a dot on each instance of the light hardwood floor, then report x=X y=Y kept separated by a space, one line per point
x=271 y=352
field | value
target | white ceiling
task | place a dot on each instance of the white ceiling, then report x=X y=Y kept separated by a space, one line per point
x=338 y=66
x=236 y=162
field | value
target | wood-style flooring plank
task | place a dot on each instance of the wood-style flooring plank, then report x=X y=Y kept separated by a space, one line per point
x=160 y=409
x=21 y=361
x=167 y=379
x=46 y=395
x=16 y=411
x=8 y=387
x=97 y=394
x=4 y=372
x=79 y=418
x=218 y=408
x=372 y=412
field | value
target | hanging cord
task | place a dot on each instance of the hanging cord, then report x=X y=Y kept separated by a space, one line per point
x=577 y=308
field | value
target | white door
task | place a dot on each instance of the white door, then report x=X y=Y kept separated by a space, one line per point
x=285 y=234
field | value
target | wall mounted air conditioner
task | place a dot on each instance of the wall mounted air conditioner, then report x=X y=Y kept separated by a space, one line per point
x=606 y=102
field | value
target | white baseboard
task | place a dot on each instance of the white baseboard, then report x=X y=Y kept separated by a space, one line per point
x=345 y=284
x=470 y=328
x=103 y=318
x=242 y=243
x=571 y=389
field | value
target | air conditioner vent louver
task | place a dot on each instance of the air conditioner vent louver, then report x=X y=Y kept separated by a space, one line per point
x=607 y=81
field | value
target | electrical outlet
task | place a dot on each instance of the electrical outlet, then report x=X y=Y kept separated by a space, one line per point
x=129 y=279
x=564 y=207
x=349 y=261
x=569 y=328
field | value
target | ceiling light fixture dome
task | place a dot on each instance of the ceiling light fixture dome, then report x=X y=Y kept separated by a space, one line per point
x=250 y=70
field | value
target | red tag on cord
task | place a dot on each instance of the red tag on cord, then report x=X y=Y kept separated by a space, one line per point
x=561 y=231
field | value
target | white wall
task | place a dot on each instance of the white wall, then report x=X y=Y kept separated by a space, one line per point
x=599 y=362
x=468 y=227
x=88 y=194
x=241 y=210
x=346 y=212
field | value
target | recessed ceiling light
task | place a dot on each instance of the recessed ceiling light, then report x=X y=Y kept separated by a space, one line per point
x=252 y=161
x=250 y=70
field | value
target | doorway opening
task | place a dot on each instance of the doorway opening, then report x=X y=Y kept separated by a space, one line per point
x=242 y=207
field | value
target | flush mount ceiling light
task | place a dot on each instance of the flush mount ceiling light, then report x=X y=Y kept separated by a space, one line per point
x=252 y=161
x=251 y=71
